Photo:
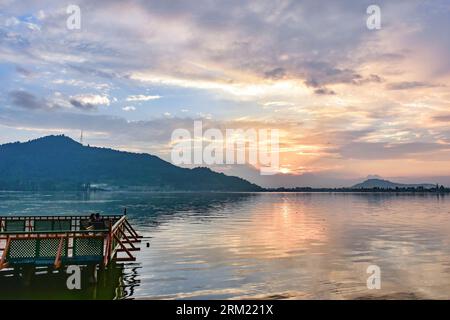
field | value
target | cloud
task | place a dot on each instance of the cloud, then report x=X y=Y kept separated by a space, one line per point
x=442 y=118
x=83 y=84
x=57 y=101
x=380 y=150
x=324 y=91
x=406 y=85
x=26 y=100
x=277 y=73
x=372 y=78
x=141 y=97
x=23 y=71
x=89 y=101
x=129 y=108
x=258 y=40
x=264 y=41
x=12 y=21
x=277 y=104
x=321 y=73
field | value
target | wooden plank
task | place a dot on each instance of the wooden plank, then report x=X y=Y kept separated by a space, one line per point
x=127 y=239
x=5 y=252
x=108 y=251
x=129 y=249
x=125 y=259
x=123 y=247
x=131 y=229
x=58 y=254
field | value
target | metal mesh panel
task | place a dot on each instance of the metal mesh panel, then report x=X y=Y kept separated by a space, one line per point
x=15 y=225
x=62 y=225
x=43 y=225
x=22 y=248
x=88 y=247
x=48 y=248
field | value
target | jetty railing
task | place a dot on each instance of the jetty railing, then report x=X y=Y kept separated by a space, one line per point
x=64 y=240
x=49 y=223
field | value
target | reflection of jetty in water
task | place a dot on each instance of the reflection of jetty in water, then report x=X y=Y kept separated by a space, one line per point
x=116 y=282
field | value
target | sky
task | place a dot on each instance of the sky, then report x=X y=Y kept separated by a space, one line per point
x=349 y=102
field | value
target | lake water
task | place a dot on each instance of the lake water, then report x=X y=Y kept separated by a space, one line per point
x=272 y=245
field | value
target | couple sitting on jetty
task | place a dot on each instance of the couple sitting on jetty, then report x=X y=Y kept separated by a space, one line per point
x=95 y=222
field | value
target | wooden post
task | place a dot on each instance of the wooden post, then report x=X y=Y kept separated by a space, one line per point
x=92 y=273
x=27 y=274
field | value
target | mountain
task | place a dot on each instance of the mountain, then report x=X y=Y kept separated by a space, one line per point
x=60 y=163
x=385 y=184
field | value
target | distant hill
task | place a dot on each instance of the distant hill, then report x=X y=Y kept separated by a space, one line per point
x=60 y=163
x=385 y=184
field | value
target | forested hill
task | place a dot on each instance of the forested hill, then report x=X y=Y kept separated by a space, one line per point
x=60 y=163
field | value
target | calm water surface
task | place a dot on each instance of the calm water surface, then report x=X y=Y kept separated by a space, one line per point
x=272 y=245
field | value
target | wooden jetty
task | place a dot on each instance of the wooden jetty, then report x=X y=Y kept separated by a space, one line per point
x=27 y=242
